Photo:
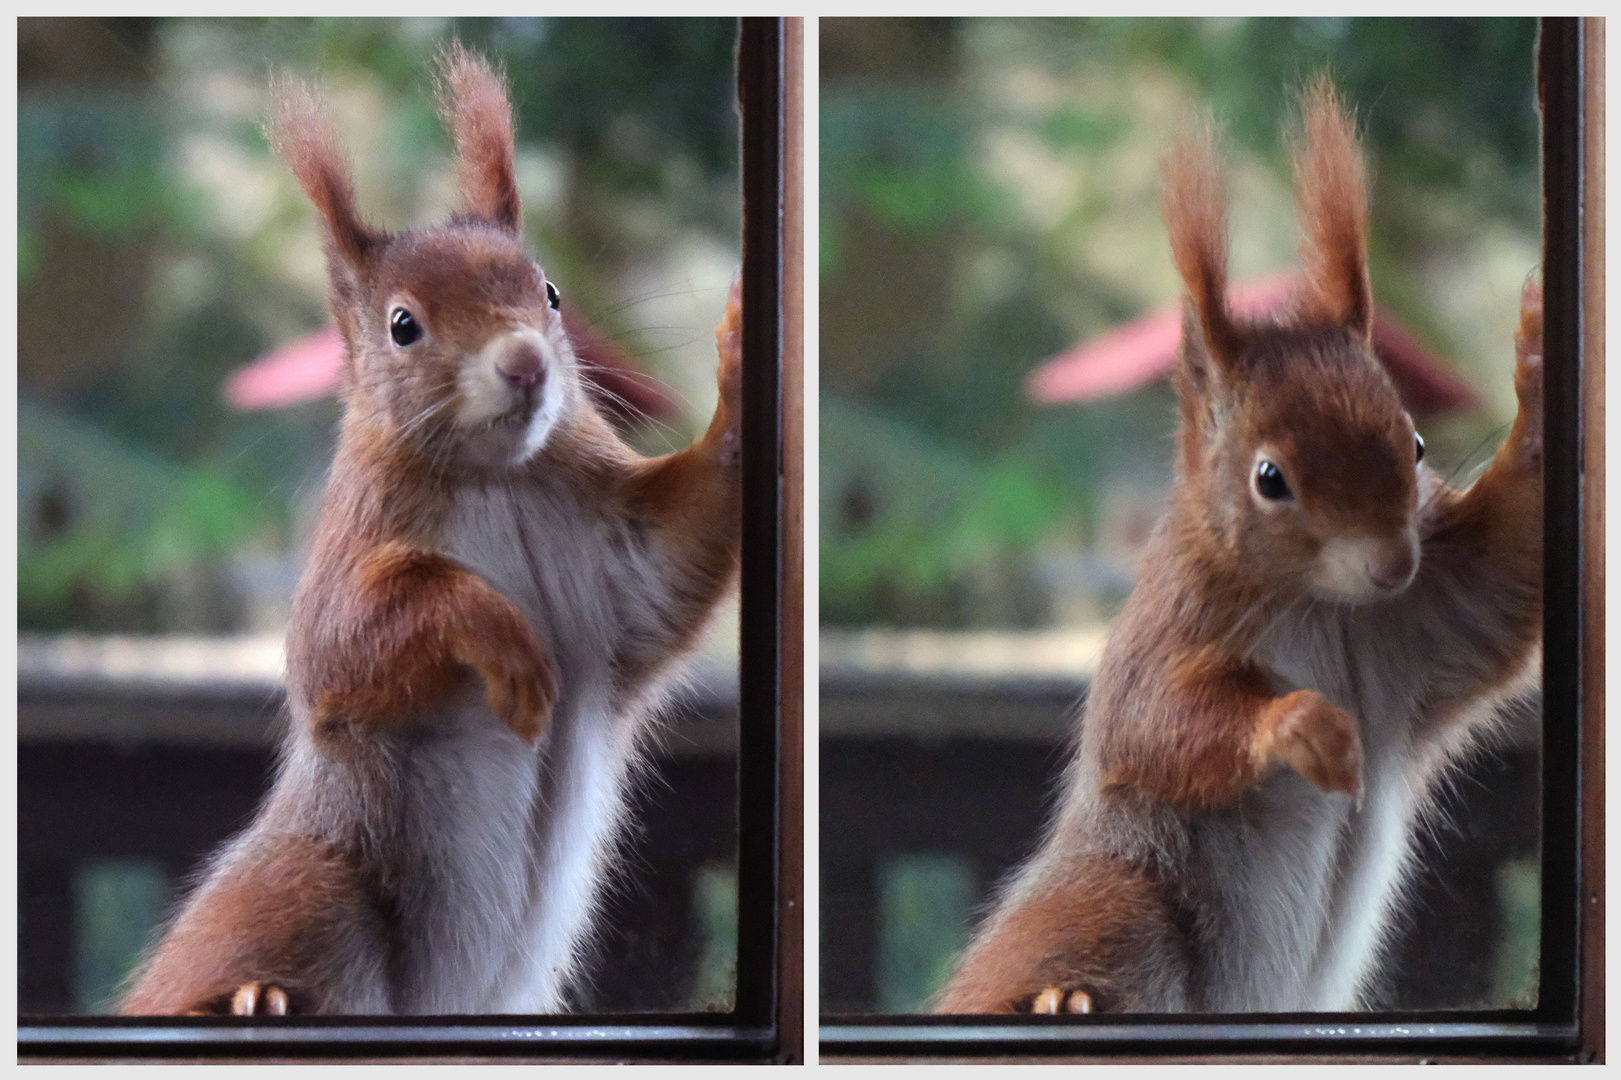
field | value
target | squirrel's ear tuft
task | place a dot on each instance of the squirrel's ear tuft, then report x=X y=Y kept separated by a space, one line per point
x=302 y=133
x=1198 y=374
x=1193 y=204
x=1333 y=199
x=473 y=104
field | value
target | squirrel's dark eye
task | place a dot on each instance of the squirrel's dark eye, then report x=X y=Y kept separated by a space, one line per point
x=1270 y=483
x=403 y=327
x=1420 y=439
x=552 y=296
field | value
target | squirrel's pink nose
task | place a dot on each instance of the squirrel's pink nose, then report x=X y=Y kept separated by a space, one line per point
x=521 y=365
x=1393 y=566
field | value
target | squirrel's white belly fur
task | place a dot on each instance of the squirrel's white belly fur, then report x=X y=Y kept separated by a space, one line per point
x=492 y=849
x=1305 y=881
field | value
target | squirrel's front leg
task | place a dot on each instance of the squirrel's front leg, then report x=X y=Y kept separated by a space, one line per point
x=724 y=431
x=689 y=507
x=410 y=625
x=1195 y=741
x=1478 y=594
x=1216 y=729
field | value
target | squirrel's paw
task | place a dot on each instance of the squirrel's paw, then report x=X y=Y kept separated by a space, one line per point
x=729 y=348
x=494 y=639
x=251 y=999
x=1318 y=740
x=254 y=999
x=517 y=674
x=1052 y=1001
x=518 y=685
x=1528 y=370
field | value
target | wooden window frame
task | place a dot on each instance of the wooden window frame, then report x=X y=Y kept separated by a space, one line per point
x=766 y=1024
x=1568 y=1022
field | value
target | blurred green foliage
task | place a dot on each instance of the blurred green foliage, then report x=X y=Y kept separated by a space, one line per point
x=117 y=902
x=951 y=520
x=714 y=897
x=97 y=161
x=926 y=904
x=111 y=519
x=989 y=199
x=161 y=246
x=1516 y=967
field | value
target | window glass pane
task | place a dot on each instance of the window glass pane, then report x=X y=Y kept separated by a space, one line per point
x=178 y=419
x=1514 y=963
x=998 y=318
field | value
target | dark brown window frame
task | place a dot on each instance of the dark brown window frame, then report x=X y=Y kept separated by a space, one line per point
x=766 y=1023
x=1568 y=1023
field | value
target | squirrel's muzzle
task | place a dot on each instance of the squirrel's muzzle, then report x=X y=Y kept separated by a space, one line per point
x=520 y=364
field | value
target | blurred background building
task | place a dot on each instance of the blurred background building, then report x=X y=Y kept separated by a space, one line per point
x=989 y=209
x=162 y=249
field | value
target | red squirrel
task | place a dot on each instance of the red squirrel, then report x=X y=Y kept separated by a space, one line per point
x=498 y=593
x=1320 y=626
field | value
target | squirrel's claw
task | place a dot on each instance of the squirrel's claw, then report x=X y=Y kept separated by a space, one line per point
x=251 y=999
x=521 y=692
x=1528 y=370
x=1052 y=1001
x=729 y=347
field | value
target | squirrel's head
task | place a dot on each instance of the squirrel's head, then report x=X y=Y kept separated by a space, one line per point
x=454 y=348
x=1295 y=449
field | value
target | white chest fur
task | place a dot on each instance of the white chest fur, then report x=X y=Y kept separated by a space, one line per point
x=1320 y=874
x=575 y=574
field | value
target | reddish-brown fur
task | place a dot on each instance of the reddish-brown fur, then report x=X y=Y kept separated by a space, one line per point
x=1334 y=216
x=413 y=623
x=473 y=103
x=1124 y=918
x=281 y=920
x=1494 y=529
x=304 y=137
x=385 y=626
x=1232 y=727
x=682 y=495
x=1184 y=719
x=1194 y=205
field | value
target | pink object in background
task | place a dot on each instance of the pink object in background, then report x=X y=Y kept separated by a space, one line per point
x=1143 y=350
x=311 y=368
x=300 y=371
